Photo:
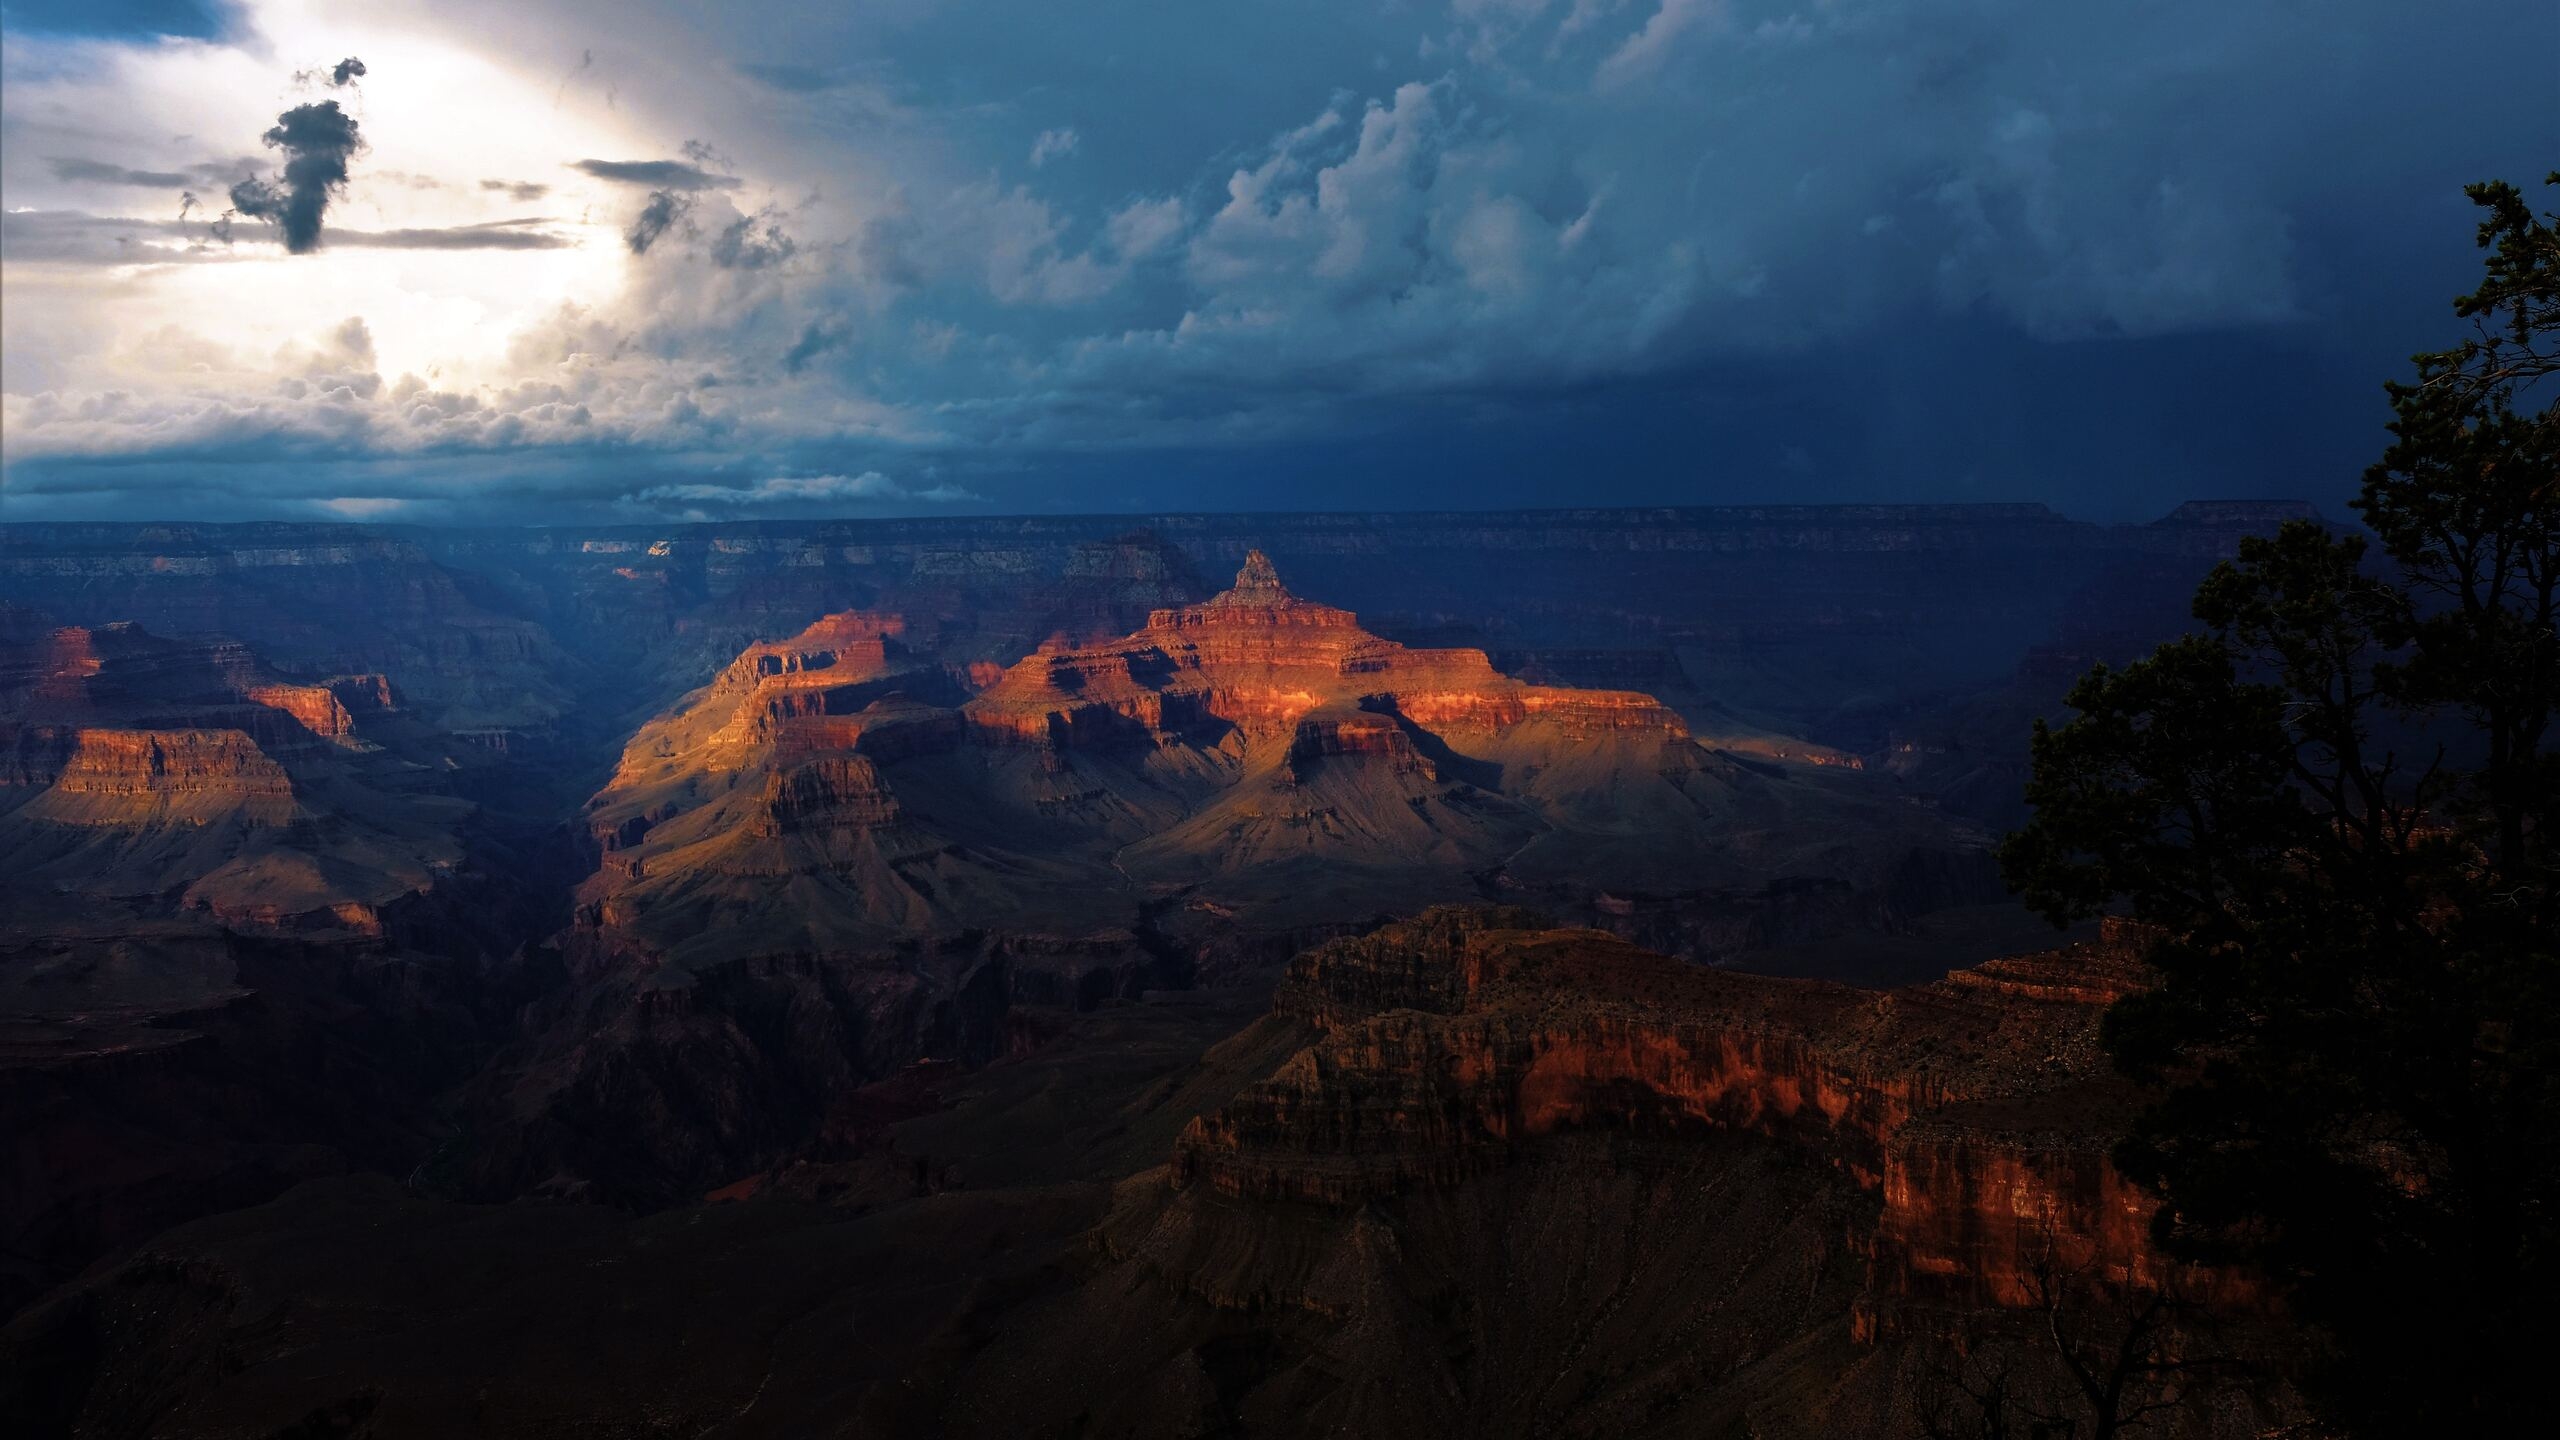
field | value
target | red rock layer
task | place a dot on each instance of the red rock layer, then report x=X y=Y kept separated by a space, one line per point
x=199 y=772
x=138 y=765
x=816 y=694
x=1976 y=1109
x=1262 y=750
x=1327 y=733
x=841 y=792
x=122 y=673
x=1258 y=658
x=316 y=708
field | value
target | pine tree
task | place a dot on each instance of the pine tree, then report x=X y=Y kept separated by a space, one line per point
x=2335 y=805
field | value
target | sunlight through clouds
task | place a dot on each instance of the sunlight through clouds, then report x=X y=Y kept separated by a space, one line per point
x=645 y=244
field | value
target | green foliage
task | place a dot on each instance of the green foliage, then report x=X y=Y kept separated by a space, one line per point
x=2336 y=806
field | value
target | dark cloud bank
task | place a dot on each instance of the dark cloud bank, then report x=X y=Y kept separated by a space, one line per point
x=1497 y=253
x=656 y=174
x=71 y=237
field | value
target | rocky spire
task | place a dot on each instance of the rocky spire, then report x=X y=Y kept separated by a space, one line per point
x=1257 y=583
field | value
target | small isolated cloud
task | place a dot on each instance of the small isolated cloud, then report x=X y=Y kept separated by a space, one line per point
x=664 y=209
x=317 y=141
x=99 y=172
x=1052 y=145
x=516 y=189
x=1144 y=227
x=869 y=486
x=751 y=242
x=345 y=72
x=656 y=174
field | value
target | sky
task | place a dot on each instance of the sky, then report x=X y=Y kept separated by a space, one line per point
x=571 y=261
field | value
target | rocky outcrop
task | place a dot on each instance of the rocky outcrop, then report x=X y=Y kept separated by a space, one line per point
x=324 y=600
x=315 y=708
x=1775 y=608
x=1256 y=658
x=132 y=777
x=1357 y=733
x=1254 y=762
x=1221 y=743
x=842 y=791
x=1976 y=1110
x=189 y=777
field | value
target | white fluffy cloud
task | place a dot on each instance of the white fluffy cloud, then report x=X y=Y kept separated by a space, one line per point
x=890 y=265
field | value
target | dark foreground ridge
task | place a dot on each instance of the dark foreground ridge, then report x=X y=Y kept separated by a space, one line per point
x=1467 y=1175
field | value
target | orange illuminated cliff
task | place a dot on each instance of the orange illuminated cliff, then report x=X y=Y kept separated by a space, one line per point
x=135 y=769
x=1977 y=1109
x=1501 y=1178
x=835 y=858
x=241 y=931
x=1257 y=754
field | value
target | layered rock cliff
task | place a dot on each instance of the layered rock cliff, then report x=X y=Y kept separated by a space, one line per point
x=1258 y=752
x=1515 y=1180
x=1975 y=1111
x=247 y=932
x=838 y=806
x=322 y=600
x=143 y=766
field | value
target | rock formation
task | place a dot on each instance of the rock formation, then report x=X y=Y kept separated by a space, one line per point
x=837 y=807
x=1256 y=750
x=1020 y=797
x=1517 y=1178
x=325 y=600
x=1976 y=1109
x=143 y=766
x=241 y=930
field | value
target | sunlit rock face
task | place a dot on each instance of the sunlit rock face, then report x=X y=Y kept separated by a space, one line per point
x=242 y=931
x=140 y=767
x=1258 y=749
x=1256 y=658
x=844 y=824
x=117 y=778
x=1977 y=1111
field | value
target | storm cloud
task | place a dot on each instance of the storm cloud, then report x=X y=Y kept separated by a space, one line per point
x=317 y=141
x=71 y=237
x=101 y=172
x=664 y=210
x=751 y=242
x=656 y=174
x=1457 y=252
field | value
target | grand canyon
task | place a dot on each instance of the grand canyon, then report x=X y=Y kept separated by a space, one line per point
x=992 y=977
x=1697 y=719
